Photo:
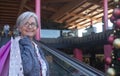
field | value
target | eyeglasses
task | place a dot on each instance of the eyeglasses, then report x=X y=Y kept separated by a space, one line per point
x=27 y=24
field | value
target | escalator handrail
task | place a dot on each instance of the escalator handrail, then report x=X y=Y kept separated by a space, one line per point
x=86 y=69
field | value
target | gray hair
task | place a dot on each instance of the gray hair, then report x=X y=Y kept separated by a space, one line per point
x=23 y=18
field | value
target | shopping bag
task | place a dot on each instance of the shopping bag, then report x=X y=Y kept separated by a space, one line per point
x=15 y=64
x=4 y=59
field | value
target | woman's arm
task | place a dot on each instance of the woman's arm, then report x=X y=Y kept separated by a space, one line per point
x=26 y=54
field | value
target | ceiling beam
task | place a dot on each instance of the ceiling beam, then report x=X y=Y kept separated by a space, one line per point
x=72 y=14
x=23 y=2
x=29 y=8
x=97 y=2
x=5 y=16
x=9 y=1
x=7 y=8
x=82 y=16
x=65 y=9
x=85 y=17
x=7 y=19
x=83 y=25
x=8 y=4
x=7 y=22
x=56 y=1
x=100 y=3
x=7 y=11
x=48 y=9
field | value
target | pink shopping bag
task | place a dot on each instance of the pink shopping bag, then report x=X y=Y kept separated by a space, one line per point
x=4 y=59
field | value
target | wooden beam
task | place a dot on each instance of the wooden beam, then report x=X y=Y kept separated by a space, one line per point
x=23 y=2
x=8 y=11
x=7 y=14
x=10 y=5
x=94 y=1
x=7 y=8
x=29 y=8
x=71 y=14
x=56 y=1
x=100 y=3
x=86 y=17
x=7 y=19
x=10 y=17
x=81 y=16
x=9 y=1
x=67 y=8
x=48 y=9
x=83 y=25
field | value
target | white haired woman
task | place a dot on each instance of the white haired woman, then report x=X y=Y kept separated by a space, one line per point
x=32 y=57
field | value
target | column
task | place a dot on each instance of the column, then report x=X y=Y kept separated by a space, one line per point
x=78 y=54
x=107 y=53
x=37 y=10
x=105 y=15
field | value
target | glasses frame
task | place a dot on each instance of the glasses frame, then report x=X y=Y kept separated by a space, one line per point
x=27 y=24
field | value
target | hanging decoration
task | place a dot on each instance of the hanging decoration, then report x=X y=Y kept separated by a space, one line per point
x=114 y=40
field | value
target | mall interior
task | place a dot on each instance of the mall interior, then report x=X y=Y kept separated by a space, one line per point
x=79 y=37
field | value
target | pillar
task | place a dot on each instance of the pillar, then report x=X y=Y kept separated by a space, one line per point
x=78 y=54
x=107 y=53
x=105 y=15
x=37 y=10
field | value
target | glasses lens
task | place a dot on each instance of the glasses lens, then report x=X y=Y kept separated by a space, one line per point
x=30 y=24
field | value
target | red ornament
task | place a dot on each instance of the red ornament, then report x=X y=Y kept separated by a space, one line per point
x=119 y=59
x=117 y=23
x=112 y=19
x=108 y=60
x=111 y=39
x=116 y=12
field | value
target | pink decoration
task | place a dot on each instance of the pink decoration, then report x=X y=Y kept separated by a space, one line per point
x=119 y=59
x=116 y=12
x=107 y=52
x=112 y=19
x=108 y=60
x=111 y=39
x=78 y=54
x=117 y=23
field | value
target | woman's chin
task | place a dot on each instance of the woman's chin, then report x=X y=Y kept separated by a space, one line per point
x=30 y=35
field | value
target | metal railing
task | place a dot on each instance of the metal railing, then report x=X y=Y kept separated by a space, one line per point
x=62 y=59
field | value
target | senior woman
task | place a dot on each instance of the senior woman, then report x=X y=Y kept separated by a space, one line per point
x=33 y=59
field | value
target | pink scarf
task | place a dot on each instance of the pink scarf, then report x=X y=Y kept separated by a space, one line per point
x=4 y=59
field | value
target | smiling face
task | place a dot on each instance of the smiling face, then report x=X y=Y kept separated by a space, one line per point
x=29 y=28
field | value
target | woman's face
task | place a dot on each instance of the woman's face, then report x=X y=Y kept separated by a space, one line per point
x=29 y=28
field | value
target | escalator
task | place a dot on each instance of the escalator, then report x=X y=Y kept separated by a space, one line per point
x=61 y=64
x=64 y=65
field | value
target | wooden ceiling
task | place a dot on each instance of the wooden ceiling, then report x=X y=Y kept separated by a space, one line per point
x=71 y=13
